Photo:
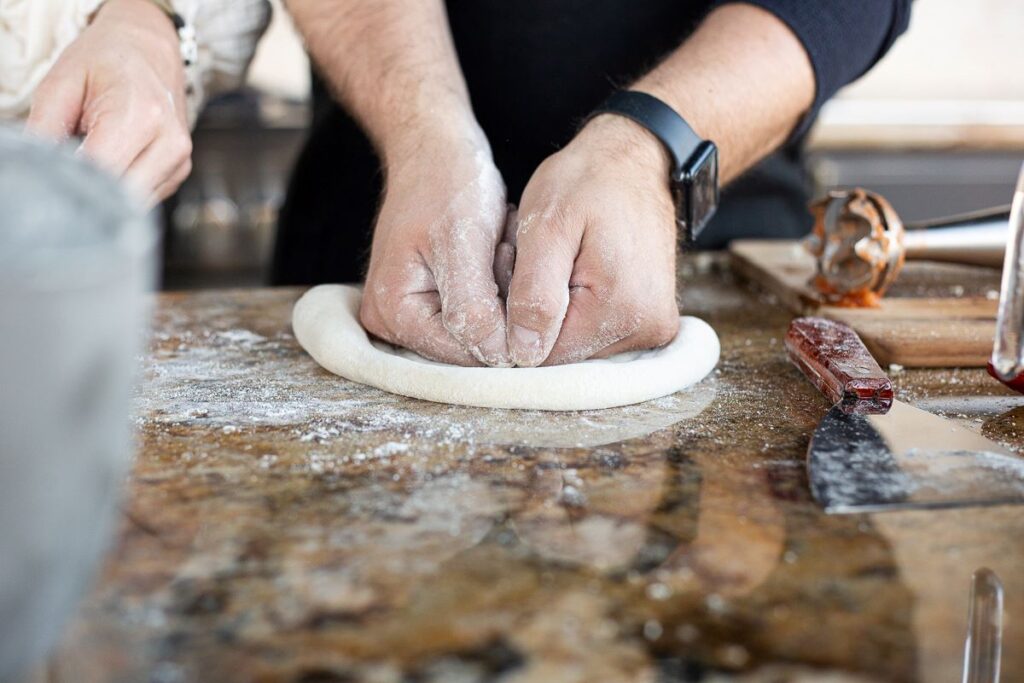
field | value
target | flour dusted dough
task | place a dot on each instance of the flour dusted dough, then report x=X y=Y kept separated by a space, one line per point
x=326 y=323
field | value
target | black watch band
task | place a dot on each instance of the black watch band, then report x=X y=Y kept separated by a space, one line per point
x=694 y=175
x=661 y=120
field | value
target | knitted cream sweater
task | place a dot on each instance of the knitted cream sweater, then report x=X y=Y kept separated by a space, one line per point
x=33 y=33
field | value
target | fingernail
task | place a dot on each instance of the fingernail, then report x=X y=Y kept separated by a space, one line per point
x=525 y=347
x=494 y=350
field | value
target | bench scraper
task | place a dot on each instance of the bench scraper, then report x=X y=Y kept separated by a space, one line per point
x=872 y=453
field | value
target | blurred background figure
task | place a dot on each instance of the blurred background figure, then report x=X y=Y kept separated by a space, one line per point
x=128 y=77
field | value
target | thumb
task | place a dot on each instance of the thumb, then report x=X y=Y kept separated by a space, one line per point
x=472 y=310
x=505 y=253
x=538 y=295
x=56 y=106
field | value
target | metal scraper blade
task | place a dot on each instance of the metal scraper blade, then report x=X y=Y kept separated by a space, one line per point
x=908 y=459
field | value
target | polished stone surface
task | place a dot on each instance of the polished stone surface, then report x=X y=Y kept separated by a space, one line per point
x=282 y=524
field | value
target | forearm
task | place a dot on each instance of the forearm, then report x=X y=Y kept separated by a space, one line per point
x=743 y=80
x=393 y=65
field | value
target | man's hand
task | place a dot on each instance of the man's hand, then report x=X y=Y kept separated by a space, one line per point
x=431 y=284
x=596 y=246
x=121 y=85
x=597 y=230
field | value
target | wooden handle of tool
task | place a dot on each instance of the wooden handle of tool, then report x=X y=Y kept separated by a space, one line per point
x=1017 y=383
x=833 y=357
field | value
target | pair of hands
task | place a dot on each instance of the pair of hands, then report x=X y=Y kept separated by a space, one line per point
x=587 y=263
x=121 y=86
x=587 y=266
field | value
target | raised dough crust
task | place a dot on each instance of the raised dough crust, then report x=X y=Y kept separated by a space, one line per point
x=326 y=324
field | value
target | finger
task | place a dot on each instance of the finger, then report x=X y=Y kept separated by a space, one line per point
x=591 y=325
x=57 y=106
x=162 y=166
x=505 y=253
x=170 y=186
x=504 y=261
x=117 y=138
x=538 y=295
x=597 y=329
x=653 y=338
x=511 y=225
x=472 y=310
x=416 y=325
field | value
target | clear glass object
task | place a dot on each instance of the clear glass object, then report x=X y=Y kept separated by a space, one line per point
x=1008 y=353
x=983 y=648
x=77 y=256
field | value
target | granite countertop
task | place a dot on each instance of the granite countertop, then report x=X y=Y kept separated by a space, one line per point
x=282 y=524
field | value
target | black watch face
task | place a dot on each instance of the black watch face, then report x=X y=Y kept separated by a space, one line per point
x=699 y=189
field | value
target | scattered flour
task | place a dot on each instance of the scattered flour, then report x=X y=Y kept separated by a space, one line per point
x=236 y=379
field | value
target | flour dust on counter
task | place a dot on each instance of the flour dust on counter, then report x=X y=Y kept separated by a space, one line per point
x=224 y=374
x=326 y=324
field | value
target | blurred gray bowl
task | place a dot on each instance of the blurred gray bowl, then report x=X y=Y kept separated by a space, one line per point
x=77 y=256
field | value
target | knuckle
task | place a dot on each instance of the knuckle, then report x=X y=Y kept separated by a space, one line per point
x=373 y=294
x=59 y=78
x=557 y=216
x=650 y=320
x=536 y=308
x=153 y=112
x=185 y=169
x=180 y=144
x=606 y=289
x=148 y=116
x=469 y=319
x=382 y=296
x=663 y=328
x=388 y=314
x=561 y=220
x=48 y=87
x=551 y=222
x=371 y=320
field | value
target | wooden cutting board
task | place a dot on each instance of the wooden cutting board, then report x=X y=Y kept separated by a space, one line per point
x=908 y=331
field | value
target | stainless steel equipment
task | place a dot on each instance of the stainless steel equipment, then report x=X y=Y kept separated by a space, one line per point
x=983 y=647
x=1007 y=361
x=873 y=453
x=860 y=243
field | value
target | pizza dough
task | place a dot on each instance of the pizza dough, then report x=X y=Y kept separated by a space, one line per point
x=326 y=324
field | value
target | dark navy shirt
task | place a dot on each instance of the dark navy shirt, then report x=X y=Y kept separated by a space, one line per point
x=535 y=69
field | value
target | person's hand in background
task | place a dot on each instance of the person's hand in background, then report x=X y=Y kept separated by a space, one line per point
x=121 y=86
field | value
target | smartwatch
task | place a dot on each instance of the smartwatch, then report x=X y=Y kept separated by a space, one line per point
x=693 y=179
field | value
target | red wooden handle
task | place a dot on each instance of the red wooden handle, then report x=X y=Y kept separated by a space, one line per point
x=1017 y=383
x=833 y=357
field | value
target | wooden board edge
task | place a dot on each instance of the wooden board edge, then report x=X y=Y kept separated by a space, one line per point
x=754 y=272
